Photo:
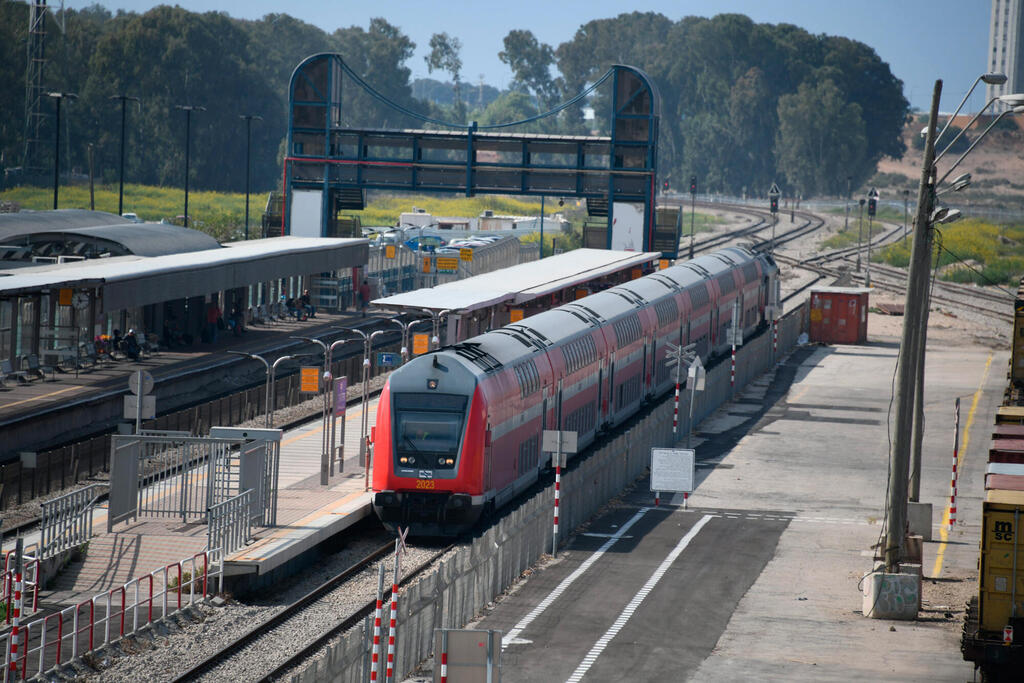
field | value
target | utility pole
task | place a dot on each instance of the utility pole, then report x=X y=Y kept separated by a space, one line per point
x=693 y=209
x=914 y=303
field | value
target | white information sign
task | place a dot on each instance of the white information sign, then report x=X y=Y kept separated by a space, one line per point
x=146 y=380
x=672 y=469
x=627 y=226
x=131 y=407
x=550 y=441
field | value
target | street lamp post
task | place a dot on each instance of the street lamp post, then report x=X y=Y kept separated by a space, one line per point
x=846 y=222
x=910 y=375
x=435 y=341
x=271 y=372
x=693 y=209
x=248 y=165
x=188 y=109
x=58 y=96
x=541 y=226
x=860 y=231
x=120 y=185
x=364 y=423
x=406 y=328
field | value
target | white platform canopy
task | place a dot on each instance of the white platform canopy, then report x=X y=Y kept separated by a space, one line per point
x=519 y=284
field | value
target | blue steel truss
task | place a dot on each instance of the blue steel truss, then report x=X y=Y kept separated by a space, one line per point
x=339 y=161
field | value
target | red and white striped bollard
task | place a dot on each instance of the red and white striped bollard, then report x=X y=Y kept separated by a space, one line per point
x=956 y=460
x=389 y=676
x=444 y=656
x=675 y=415
x=558 y=492
x=375 y=659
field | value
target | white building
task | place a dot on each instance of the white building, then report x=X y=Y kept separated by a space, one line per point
x=1006 y=30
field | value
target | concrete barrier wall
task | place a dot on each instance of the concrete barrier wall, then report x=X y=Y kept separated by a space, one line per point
x=451 y=595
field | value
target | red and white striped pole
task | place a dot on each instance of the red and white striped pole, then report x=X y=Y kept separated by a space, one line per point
x=675 y=414
x=732 y=369
x=956 y=459
x=558 y=491
x=390 y=675
x=444 y=656
x=775 y=336
x=375 y=659
x=12 y=671
x=393 y=621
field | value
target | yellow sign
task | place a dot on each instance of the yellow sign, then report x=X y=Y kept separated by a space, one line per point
x=637 y=273
x=815 y=315
x=582 y=293
x=663 y=264
x=426 y=264
x=309 y=380
x=447 y=264
x=65 y=297
x=516 y=314
x=466 y=254
x=420 y=344
x=389 y=251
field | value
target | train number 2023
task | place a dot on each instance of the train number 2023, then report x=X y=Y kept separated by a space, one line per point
x=425 y=484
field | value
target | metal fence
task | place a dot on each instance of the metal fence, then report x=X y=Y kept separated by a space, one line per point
x=67 y=521
x=48 y=643
x=229 y=524
x=160 y=476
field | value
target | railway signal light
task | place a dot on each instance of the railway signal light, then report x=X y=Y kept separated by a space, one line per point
x=693 y=184
x=665 y=186
x=774 y=204
x=872 y=201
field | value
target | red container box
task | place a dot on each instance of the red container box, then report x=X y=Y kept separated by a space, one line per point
x=839 y=315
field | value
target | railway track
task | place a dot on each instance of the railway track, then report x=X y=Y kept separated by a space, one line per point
x=286 y=625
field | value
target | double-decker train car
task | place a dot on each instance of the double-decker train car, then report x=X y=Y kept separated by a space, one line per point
x=458 y=431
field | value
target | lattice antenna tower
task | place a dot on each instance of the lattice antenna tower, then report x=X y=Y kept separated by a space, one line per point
x=32 y=164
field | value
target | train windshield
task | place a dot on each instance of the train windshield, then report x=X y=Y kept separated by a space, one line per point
x=428 y=425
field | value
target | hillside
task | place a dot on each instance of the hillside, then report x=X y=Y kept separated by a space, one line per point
x=996 y=164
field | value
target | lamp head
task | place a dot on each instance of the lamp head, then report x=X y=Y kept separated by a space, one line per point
x=944 y=214
x=994 y=78
x=1013 y=99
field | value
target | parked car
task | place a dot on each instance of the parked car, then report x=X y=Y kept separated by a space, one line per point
x=133 y=217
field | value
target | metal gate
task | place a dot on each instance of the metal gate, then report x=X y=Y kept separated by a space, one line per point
x=184 y=476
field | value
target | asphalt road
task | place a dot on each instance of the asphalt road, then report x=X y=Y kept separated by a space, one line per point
x=649 y=605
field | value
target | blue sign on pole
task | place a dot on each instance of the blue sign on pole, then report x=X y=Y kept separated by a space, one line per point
x=386 y=359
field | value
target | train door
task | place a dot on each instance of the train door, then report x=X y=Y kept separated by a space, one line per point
x=599 y=409
x=645 y=376
x=610 y=401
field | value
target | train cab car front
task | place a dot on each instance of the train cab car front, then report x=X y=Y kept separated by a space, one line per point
x=429 y=514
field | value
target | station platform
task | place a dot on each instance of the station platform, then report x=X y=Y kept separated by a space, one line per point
x=307 y=514
x=20 y=401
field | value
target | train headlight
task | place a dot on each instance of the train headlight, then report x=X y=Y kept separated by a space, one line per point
x=404 y=460
x=440 y=462
x=451 y=461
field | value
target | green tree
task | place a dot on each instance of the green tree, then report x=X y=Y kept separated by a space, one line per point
x=820 y=136
x=531 y=62
x=444 y=56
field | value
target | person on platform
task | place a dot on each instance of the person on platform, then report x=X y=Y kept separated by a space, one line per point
x=212 y=320
x=307 y=304
x=130 y=346
x=364 y=296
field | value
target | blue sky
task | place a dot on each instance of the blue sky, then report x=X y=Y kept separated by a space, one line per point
x=922 y=40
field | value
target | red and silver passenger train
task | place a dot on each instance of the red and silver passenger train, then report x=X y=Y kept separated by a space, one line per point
x=459 y=430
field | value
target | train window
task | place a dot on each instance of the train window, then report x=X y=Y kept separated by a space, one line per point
x=428 y=428
x=726 y=283
x=667 y=310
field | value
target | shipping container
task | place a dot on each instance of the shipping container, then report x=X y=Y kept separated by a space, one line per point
x=1001 y=566
x=839 y=315
x=1013 y=415
x=1008 y=431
